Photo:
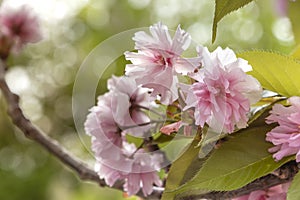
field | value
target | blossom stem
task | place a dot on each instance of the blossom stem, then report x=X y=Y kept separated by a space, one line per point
x=151 y=110
x=147 y=123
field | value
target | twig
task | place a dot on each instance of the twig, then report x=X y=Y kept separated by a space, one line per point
x=147 y=123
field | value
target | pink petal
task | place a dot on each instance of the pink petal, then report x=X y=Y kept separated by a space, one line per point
x=171 y=128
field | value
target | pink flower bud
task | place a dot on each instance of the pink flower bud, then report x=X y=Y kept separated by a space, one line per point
x=20 y=26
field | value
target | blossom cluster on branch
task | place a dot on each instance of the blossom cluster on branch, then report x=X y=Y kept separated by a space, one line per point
x=212 y=89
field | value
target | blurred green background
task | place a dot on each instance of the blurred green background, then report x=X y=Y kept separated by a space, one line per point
x=43 y=75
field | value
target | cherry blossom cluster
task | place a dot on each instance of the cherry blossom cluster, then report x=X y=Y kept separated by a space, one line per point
x=17 y=28
x=216 y=91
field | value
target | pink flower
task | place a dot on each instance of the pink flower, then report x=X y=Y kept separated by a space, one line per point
x=158 y=60
x=137 y=168
x=108 y=173
x=129 y=103
x=20 y=26
x=122 y=106
x=277 y=192
x=100 y=124
x=144 y=173
x=115 y=158
x=135 y=181
x=223 y=92
x=106 y=140
x=286 y=136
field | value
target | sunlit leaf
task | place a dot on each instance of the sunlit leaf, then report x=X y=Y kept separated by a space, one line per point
x=294 y=190
x=224 y=7
x=275 y=72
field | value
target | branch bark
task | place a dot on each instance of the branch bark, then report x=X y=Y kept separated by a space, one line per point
x=84 y=172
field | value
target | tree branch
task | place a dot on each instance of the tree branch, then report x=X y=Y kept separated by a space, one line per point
x=285 y=173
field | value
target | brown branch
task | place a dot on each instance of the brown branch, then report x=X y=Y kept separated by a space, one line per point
x=32 y=132
x=286 y=172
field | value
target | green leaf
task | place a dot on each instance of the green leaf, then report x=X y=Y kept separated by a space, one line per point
x=173 y=149
x=162 y=139
x=275 y=72
x=294 y=191
x=224 y=7
x=180 y=170
x=236 y=163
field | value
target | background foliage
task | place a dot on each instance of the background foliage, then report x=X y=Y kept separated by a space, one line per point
x=43 y=75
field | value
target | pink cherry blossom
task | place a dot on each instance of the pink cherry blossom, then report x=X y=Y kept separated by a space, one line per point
x=100 y=124
x=120 y=107
x=277 y=192
x=106 y=140
x=115 y=158
x=137 y=168
x=286 y=136
x=223 y=92
x=19 y=25
x=144 y=173
x=108 y=173
x=158 y=60
x=129 y=104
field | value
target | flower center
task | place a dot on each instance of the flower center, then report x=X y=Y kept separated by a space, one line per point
x=161 y=60
x=218 y=90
